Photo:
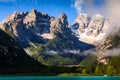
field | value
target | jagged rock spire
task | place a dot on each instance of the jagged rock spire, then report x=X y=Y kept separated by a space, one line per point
x=63 y=16
x=33 y=11
x=60 y=24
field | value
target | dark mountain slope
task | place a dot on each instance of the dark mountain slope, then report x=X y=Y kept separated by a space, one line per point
x=13 y=57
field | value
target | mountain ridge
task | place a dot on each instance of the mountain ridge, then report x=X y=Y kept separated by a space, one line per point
x=53 y=47
x=38 y=34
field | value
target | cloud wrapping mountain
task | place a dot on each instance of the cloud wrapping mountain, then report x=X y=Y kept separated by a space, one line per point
x=112 y=7
x=90 y=6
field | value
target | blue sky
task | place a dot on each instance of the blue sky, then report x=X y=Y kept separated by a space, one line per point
x=51 y=7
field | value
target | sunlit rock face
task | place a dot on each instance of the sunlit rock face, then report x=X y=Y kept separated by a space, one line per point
x=91 y=30
x=59 y=25
x=27 y=27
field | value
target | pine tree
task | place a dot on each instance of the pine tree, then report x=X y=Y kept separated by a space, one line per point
x=98 y=70
x=84 y=71
x=110 y=70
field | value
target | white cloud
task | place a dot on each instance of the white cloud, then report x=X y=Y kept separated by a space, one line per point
x=112 y=52
x=88 y=6
x=79 y=5
x=113 y=9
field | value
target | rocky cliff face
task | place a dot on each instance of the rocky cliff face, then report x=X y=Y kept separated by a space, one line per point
x=91 y=30
x=33 y=28
x=59 y=25
x=27 y=28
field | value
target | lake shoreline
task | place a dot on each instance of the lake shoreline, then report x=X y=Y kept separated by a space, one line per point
x=59 y=77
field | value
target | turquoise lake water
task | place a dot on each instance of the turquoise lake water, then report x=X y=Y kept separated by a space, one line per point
x=58 y=78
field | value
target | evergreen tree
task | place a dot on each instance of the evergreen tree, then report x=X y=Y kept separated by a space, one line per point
x=110 y=70
x=84 y=71
x=98 y=70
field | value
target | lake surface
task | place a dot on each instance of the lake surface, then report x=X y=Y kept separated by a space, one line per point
x=58 y=78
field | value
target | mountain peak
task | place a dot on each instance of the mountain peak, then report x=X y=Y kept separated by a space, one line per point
x=98 y=17
x=81 y=22
x=33 y=11
x=60 y=24
x=63 y=16
x=12 y=16
x=15 y=13
x=32 y=14
x=82 y=16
